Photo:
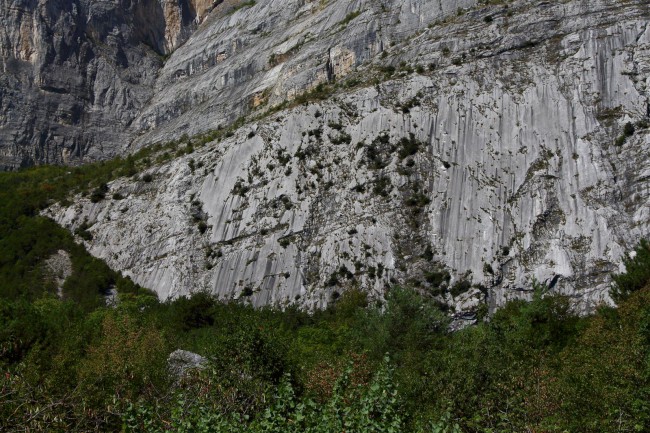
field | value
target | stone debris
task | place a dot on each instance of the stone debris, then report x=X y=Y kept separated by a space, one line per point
x=59 y=268
x=180 y=361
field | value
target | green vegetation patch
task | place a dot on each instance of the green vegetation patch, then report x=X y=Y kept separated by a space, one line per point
x=349 y=17
x=72 y=364
x=359 y=365
x=27 y=239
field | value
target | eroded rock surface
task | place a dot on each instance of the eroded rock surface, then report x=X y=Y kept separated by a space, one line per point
x=75 y=74
x=84 y=80
x=494 y=154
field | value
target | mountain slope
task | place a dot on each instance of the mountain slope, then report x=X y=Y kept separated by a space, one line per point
x=503 y=146
x=75 y=74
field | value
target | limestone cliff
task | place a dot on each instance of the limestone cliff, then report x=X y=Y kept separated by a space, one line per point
x=75 y=74
x=489 y=143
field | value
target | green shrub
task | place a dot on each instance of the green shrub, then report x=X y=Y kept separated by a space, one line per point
x=417 y=200
x=194 y=312
x=437 y=277
x=99 y=193
x=342 y=138
x=388 y=70
x=240 y=188
x=349 y=17
x=628 y=129
x=382 y=186
x=82 y=231
x=636 y=275
x=129 y=358
x=242 y=5
x=408 y=146
x=459 y=287
x=285 y=241
x=487 y=269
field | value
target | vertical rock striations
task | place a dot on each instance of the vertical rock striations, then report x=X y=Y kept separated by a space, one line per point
x=464 y=150
x=75 y=74
x=83 y=80
x=495 y=155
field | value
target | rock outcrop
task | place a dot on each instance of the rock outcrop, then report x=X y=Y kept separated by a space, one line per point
x=85 y=80
x=58 y=267
x=75 y=74
x=470 y=159
x=180 y=362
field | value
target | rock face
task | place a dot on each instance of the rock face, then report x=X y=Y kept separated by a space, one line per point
x=495 y=155
x=270 y=52
x=84 y=80
x=76 y=73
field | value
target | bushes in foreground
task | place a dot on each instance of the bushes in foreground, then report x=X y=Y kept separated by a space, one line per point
x=534 y=367
x=73 y=364
x=350 y=408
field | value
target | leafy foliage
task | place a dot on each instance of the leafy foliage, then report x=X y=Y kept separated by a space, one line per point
x=636 y=275
x=534 y=366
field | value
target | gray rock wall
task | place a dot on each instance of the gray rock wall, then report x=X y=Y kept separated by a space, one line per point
x=500 y=166
x=271 y=52
x=85 y=80
x=75 y=74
